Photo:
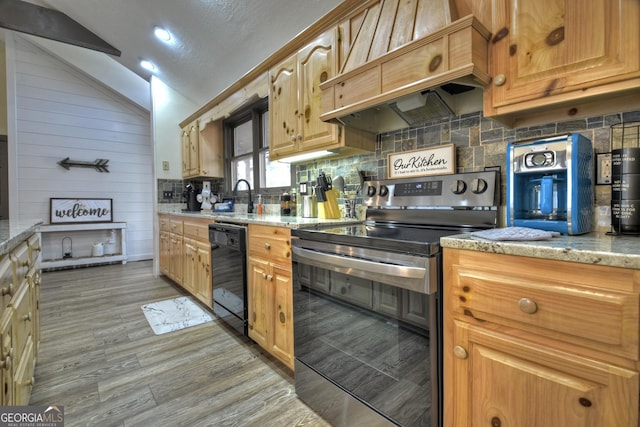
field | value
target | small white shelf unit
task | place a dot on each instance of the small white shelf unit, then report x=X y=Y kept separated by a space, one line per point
x=52 y=235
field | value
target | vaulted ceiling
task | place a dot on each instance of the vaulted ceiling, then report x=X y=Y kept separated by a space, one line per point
x=215 y=42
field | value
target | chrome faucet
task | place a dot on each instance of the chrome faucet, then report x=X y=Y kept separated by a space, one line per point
x=235 y=193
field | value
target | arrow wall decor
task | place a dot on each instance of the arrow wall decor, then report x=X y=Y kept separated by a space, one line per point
x=101 y=165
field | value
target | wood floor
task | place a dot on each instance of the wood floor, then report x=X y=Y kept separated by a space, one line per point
x=100 y=359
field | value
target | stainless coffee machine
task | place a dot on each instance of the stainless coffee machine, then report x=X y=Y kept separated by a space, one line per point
x=550 y=184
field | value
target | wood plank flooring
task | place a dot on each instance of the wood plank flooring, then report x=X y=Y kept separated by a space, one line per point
x=100 y=359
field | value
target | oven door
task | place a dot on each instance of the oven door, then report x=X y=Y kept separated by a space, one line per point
x=366 y=334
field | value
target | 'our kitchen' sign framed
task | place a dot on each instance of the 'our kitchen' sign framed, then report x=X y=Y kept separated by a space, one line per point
x=440 y=160
x=72 y=211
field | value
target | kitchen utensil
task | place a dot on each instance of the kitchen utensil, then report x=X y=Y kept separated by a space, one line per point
x=338 y=183
x=309 y=206
x=361 y=174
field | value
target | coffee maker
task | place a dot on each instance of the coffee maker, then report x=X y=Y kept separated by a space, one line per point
x=550 y=184
x=191 y=196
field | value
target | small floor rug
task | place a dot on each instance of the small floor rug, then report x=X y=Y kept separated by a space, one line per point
x=174 y=314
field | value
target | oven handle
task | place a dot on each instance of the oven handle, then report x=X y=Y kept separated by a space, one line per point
x=407 y=277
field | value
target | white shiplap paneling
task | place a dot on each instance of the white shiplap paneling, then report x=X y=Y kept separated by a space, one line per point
x=61 y=112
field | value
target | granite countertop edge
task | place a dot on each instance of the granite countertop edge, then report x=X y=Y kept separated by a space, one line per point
x=13 y=232
x=592 y=248
x=292 y=222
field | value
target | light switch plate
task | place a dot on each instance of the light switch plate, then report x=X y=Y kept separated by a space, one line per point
x=165 y=165
x=603 y=168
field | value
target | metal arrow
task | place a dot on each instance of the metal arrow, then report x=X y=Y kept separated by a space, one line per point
x=100 y=164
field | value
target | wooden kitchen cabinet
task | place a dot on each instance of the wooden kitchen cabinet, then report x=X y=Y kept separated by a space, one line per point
x=562 y=57
x=537 y=342
x=202 y=150
x=185 y=254
x=295 y=103
x=197 y=256
x=20 y=278
x=270 y=291
x=190 y=267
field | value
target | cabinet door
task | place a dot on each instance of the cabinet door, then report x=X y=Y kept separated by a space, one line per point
x=190 y=266
x=23 y=318
x=549 y=47
x=259 y=301
x=177 y=258
x=282 y=316
x=316 y=64
x=491 y=379
x=24 y=378
x=34 y=278
x=7 y=282
x=165 y=253
x=6 y=358
x=283 y=108
x=185 y=146
x=204 y=290
x=194 y=148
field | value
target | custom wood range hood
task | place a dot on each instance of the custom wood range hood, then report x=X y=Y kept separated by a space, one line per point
x=407 y=62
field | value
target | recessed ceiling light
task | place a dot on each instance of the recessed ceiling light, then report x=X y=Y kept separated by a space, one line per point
x=147 y=65
x=162 y=33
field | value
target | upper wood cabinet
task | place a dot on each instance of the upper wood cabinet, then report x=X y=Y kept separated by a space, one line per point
x=295 y=102
x=564 y=54
x=202 y=150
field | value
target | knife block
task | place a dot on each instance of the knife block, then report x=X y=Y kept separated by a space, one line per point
x=329 y=209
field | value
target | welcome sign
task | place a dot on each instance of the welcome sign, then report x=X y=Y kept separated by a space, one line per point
x=439 y=160
x=70 y=211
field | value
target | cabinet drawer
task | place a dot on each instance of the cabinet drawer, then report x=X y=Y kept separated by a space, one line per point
x=271 y=243
x=164 y=222
x=542 y=297
x=35 y=248
x=176 y=225
x=7 y=282
x=21 y=262
x=197 y=229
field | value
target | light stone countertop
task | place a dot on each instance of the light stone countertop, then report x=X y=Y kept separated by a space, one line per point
x=592 y=248
x=12 y=232
x=272 y=219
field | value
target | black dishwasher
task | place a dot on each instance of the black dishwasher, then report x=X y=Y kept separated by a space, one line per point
x=229 y=273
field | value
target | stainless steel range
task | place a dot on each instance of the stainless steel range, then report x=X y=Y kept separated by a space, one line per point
x=367 y=308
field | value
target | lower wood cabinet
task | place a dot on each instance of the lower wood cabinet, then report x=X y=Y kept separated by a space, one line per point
x=185 y=254
x=270 y=291
x=539 y=343
x=20 y=278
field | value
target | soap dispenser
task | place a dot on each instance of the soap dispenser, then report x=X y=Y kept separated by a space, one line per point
x=259 y=208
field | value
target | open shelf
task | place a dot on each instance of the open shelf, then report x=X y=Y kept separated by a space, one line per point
x=84 y=232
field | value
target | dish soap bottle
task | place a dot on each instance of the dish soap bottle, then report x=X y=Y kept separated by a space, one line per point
x=259 y=209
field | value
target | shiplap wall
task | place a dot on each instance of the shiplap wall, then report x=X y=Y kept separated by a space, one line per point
x=61 y=112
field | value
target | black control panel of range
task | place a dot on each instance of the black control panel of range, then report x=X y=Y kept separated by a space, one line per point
x=455 y=190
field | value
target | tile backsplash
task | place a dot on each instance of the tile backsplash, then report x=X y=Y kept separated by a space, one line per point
x=480 y=142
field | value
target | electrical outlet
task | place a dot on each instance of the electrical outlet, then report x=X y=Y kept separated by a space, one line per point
x=167 y=195
x=165 y=165
x=603 y=168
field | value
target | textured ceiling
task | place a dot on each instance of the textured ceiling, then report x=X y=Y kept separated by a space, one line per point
x=216 y=41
